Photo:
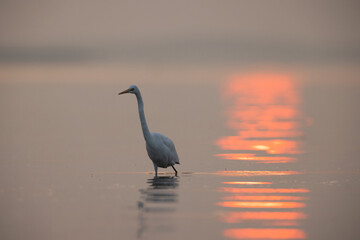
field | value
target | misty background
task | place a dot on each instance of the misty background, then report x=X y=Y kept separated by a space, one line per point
x=72 y=154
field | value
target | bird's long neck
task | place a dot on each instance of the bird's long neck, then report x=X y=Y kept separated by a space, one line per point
x=144 y=126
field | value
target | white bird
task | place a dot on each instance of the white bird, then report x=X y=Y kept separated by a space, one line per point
x=160 y=148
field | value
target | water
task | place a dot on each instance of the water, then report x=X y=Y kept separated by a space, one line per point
x=264 y=155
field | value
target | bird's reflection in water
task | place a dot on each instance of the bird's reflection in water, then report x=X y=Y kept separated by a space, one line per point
x=157 y=205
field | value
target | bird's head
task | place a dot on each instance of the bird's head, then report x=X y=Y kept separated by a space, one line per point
x=131 y=89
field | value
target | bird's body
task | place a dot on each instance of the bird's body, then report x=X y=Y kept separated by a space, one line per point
x=161 y=150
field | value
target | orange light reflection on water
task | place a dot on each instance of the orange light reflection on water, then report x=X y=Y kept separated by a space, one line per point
x=273 y=146
x=247 y=183
x=264 y=198
x=265 y=233
x=264 y=113
x=256 y=173
x=236 y=217
x=264 y=190
x=253 y=157
x=241 y=204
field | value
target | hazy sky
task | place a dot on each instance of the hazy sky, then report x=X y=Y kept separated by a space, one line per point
x=170 y=30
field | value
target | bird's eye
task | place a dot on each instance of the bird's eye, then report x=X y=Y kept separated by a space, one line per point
x=132 y=89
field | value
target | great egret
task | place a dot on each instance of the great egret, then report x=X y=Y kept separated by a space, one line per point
x=160 y=148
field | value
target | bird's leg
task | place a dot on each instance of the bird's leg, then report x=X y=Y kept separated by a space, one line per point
x=156 y=168
x=174 y=170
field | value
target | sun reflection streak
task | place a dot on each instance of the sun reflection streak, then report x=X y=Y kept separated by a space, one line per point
x=265 y=233
x=240 y=204
x=265 y=198
x=253 y=157
x=263 y=190
x=255 y=173
x=247 y=183
x=273 y=146
x=236 y=217
x=265 y=115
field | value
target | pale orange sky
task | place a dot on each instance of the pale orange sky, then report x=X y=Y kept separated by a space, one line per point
x=179 y=30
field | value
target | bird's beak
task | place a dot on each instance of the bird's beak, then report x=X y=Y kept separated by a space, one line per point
x=126 y=91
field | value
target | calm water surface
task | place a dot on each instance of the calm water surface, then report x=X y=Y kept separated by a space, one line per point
x=263 y=156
